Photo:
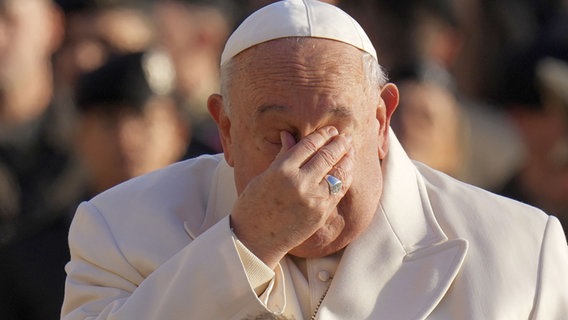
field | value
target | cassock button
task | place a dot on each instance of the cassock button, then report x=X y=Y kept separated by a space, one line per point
x=324 y=276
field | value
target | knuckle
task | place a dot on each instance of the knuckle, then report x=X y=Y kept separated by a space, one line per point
x=317 y=210
x=315 y=141
x=326 y=157
x=310 y=145
x=339 y=172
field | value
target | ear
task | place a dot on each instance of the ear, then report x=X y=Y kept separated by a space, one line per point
x=387 y=105
x=217 y=111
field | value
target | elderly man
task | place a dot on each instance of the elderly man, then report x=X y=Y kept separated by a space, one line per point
x=314 y=210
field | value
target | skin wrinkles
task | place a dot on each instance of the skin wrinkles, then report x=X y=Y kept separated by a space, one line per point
x=271 y=114
x=304 y=75
x=300 y=73
x=299 y=88
x=310 y=70
x=339 y=111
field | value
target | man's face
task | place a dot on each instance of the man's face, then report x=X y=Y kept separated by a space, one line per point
x=26 y=44
x=299 y=87
x=124 y=142
x=427 y=125
x=546 y=136
x=93 y=36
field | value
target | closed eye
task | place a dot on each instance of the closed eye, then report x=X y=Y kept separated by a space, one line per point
x=273 y=141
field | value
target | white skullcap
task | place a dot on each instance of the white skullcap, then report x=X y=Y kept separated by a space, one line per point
x=297 y=18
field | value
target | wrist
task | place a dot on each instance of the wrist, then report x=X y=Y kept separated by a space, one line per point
x=259 y=246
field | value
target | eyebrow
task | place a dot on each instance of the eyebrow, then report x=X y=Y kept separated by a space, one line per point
x=269 y=108
x=338 y=111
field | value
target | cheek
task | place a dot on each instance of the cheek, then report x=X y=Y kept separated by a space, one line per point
x=367 y=168
x=368 y=138
x=94 y=141
x=246 y=168
x=367 y=165
x=250 y=158
x=250 y=146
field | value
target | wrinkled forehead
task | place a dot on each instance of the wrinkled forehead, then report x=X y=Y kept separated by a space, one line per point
x=310 y=59
x=297 y=72
x=304 y=48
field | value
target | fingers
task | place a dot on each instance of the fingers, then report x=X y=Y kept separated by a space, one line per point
x=342 y=171
x=322 y=152
x=287 y=141
x=309 y=145
x=292 y=194
x=328 y=157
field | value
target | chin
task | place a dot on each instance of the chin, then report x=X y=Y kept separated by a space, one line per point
x=333 y=237
x=326 y=241
x=306 y=251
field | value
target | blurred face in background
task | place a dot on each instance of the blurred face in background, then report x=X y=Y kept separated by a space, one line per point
x=546 y=135
x=30 y=31
x=94 y=35
x=428 y=125
x=122 y=142
x=193 y=36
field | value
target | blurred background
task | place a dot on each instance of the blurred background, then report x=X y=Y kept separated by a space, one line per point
x=95 y=92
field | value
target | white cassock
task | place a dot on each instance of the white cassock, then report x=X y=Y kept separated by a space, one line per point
x=160 y=247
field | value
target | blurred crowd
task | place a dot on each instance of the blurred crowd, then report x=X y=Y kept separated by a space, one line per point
x=95 y=92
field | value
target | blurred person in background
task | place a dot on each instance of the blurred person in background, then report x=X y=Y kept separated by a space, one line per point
x=33 y=161
x=495 y=30
x=30 y=31
x=193 y=33
x=94 y=31
x=35 y=165
x=536 y=96
x=126 y=125
x=430 y=126
x=429 y=37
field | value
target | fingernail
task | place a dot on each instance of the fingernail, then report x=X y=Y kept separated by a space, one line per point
x=333 y=131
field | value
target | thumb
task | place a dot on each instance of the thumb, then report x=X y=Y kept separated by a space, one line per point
x=287 y=141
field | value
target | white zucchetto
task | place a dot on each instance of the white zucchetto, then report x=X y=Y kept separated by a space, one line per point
x=297 y=18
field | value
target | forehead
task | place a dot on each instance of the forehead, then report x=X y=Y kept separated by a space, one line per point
x=301 y=57
x=297 y=68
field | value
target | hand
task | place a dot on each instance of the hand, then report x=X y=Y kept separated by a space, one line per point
x=290 y=201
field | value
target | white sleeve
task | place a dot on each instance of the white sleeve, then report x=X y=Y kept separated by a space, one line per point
x=205 y=280
x=552 y=293
x=267 y=284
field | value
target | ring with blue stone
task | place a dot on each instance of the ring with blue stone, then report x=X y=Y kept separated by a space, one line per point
x=333 y=183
